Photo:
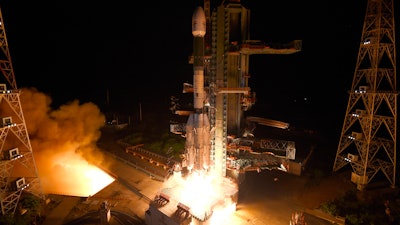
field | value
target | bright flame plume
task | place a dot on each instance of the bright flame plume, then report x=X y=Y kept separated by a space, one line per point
x=208 y=196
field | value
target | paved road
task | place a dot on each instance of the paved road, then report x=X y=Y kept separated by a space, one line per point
x=61 y=211
x=93 y=217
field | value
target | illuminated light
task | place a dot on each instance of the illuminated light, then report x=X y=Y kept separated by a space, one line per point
x=17 y=157
x=367 y=41
x=360 y=91
x=282 y=167
x=24 y=187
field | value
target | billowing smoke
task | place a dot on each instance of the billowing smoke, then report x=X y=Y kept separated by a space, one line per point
x=64 y=143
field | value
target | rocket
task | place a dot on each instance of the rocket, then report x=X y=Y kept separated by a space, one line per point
x=198 y=137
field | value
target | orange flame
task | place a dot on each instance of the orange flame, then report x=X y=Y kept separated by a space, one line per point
x=73 y=175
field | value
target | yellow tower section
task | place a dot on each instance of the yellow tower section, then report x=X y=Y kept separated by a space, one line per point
x=18 y=170
x=369 y=133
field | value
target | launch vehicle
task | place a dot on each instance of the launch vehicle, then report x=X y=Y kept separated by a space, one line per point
x=198 y=137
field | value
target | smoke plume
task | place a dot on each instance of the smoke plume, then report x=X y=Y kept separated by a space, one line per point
x=63 y=140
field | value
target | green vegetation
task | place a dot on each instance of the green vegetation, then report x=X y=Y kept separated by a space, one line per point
x=160 y=142
x=28 y=212
x=154 y=133
x=360 y=209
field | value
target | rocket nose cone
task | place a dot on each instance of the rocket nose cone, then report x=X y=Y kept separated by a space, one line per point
x=199 y=22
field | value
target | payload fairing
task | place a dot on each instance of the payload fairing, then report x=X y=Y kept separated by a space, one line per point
x=198 y=137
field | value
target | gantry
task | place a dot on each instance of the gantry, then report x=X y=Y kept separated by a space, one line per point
x=18 y=170
x=228 y=70
x=369 y=133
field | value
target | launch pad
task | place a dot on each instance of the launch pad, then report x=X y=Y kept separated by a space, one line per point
x=193 y=199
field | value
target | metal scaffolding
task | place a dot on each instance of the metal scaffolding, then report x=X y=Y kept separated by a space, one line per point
x=368 y=137
x=18 y=169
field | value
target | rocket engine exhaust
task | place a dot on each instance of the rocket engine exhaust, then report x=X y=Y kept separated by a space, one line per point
x=198 y=138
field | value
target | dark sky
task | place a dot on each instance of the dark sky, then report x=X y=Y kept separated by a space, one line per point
x=79 y=49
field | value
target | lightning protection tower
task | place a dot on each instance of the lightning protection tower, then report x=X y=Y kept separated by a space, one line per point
x=18 y=170
x=368 y=137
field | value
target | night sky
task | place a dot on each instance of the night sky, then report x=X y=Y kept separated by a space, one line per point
x=79 y=50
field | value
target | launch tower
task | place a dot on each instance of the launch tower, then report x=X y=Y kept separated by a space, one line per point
x=369 y=133
x=227 y=51
x=228 y=69
x=18 y=169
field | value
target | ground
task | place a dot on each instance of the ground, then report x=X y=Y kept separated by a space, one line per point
x=268 y=197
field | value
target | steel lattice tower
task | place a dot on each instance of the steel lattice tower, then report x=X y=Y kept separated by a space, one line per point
x=18 y=170
x=368 y=137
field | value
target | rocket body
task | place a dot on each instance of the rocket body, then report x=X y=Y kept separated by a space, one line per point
x=198 y=138
x=198 y=31
x=198 y=143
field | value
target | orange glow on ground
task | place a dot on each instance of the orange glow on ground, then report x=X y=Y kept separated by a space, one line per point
x=208 y=196
x=223 y=214
x=74 y=176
